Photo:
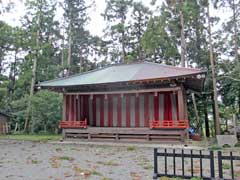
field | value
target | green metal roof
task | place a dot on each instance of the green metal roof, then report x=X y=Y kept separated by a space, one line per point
x=122 y=73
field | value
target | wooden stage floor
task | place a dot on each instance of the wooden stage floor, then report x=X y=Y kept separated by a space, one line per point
x=127 y=134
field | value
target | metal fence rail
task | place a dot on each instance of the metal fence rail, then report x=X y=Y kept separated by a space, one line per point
x=193 y=156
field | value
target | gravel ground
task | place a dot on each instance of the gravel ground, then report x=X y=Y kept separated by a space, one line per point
x=26 y=160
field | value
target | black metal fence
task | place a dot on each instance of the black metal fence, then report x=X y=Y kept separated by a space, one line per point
x=192 y=155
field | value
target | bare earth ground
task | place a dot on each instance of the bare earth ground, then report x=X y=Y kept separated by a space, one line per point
x=26 y=160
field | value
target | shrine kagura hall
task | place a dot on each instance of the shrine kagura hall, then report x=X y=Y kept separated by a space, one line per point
x=127 y=102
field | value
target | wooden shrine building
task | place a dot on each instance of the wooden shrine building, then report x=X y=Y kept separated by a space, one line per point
x=139 y=101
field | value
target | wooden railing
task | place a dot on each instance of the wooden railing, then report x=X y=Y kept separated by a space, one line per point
x=155 y=124
x=168 y=124
x=73 y=124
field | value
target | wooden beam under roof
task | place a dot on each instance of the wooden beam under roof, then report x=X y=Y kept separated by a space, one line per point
x=129 y=91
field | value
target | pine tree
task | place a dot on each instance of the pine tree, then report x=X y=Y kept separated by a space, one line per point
x=76 y=19
x=161 y=38
x=115 y=15
x=42 y=34
x=215 y=94
x=140 y=16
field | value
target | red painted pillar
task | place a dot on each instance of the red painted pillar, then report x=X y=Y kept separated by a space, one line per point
x=67 y=107
x=167 y=107
x=94 y=110
x=71 y=108
x=119 y=111
x=110 y=111
x=128 y=110
x=77 y=108
x=156 y=106
x=137 y=112
x=146 y=110
x=101 y=110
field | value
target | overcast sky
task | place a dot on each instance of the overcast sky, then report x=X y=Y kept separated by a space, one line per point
x=96 y=24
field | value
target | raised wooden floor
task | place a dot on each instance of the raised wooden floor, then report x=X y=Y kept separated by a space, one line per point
x=127 y=134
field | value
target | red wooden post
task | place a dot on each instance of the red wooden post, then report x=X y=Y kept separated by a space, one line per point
x=137 y=112
x=64 y=107
x=180 y=105
x=156 y=106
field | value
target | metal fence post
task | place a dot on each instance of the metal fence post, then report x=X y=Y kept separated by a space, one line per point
x=212 y=164
x=155 y=158
x=220 y=170
x=231 y=161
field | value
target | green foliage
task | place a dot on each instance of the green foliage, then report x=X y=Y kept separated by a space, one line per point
x=76 y=17
x=116 y=14
x=46 y=111
x=157 y=44
x=38 y=137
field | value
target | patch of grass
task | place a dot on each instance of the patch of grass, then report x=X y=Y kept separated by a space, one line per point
x=75 y=149
x=96 y=173
x=193 y=178
x=104 y=178
x=226 y=166
x=30 y=137
x=226 y=146
x=108 y=163
x=131 y=148
x=77 y=169
x=215 y=148
x=35 y=161
x=148 y=167
x=58 y=149
x=237 y=174
x=196 y=178
x=164 y=178
x=66 y=158
x=55 y=164
x=237 y=145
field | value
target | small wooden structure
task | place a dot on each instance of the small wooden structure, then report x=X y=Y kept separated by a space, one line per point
x=4 y=123
x=139 y=101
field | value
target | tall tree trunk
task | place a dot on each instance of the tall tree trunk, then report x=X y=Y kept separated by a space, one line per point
x=205 y=109
x=69 y=59
x=199 y=124
x=217 y=121
x=235 y=33
x=62 y=57
x=139 y=36
x=183 y=40
x=213 y=110
x=238 y=111
x=236 y=45
x=34 y=69
x=123 y=41
x=81 y=62
x=12 y=76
